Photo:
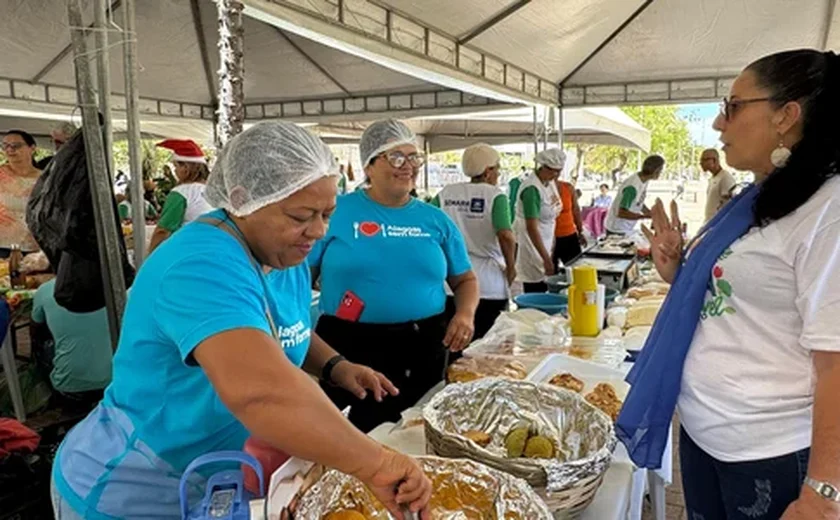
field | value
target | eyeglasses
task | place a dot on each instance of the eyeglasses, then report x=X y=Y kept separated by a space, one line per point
x=398 y=159
x=729 y=107
x=8 y=147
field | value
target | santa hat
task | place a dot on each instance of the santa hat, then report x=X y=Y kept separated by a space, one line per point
x=184 y=150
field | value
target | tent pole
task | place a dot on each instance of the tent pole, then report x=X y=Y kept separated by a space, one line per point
x=546 y=127
x=102 y=198
x=427 y=151
x=132 y=100
x=559 y=119
x=231 y=71
x=536 y=135
x=103 y=69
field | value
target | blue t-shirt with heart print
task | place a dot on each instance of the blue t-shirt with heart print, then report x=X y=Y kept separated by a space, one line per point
x=395 y=260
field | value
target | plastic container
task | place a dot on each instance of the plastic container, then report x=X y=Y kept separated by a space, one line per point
x=590 y=373
x=547 y=302
x=225 y=496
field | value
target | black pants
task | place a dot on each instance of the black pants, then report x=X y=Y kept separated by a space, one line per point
x=566 y=249
x=751 y=490
x=411 y=355
x=534 y=287
x=485 y=315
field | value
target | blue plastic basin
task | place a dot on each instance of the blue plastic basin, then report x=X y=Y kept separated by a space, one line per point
x=547 y=302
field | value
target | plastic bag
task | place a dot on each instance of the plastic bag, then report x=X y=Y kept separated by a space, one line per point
x=61 y=219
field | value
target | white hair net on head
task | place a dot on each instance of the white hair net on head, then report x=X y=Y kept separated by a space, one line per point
x=478 y=158
x=265 y=164
x=554 y=158
x=382 y=136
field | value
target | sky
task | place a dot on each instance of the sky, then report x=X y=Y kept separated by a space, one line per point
x=700 y=118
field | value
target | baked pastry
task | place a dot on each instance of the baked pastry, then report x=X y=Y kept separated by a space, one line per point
x=605 y=398
x=515 y=442
x=478 y=437
x=469 y=369
x=642 y=314
x=346 y=514
x=567 y=381
x=539 y=447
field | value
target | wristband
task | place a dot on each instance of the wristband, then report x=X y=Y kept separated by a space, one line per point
x=326 y=372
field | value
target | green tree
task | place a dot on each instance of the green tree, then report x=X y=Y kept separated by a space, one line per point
x=669 y=137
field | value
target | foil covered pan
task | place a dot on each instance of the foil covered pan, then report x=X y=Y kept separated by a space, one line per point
x=462 y=490
x=582 y=435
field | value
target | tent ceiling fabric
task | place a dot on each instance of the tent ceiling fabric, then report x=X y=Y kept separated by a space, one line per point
x=670 y=40
x=678 y=39
x=170 y=60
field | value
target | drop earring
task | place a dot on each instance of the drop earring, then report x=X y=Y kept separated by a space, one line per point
x=780 y=155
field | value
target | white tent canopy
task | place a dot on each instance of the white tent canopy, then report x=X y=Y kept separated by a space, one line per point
x=594 y=125
x=589 y=125
x=329 y=60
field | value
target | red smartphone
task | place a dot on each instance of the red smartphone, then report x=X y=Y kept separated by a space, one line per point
x=350 y=308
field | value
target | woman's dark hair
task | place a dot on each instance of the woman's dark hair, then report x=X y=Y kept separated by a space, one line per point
x=652 y=163
x=811 y=78
x=605 y=186
x=26 y=136
x=197 y=172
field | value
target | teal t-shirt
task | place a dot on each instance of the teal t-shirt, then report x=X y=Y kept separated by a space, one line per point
x=395 y=260
x=82 y=360
x=161 y=412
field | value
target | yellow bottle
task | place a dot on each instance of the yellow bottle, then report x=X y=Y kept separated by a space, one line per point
x=583 y=301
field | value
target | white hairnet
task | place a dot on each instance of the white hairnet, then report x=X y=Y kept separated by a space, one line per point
x=382 y=136
x=265 y=164
x=478 y=158
x=554 y=158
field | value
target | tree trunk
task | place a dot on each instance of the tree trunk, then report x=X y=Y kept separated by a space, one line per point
x=231 y=112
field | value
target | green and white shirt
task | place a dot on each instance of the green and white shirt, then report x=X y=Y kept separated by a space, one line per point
x=631 y=197
x=184 y=204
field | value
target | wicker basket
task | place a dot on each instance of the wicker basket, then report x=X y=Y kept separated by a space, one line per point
x=566 y=503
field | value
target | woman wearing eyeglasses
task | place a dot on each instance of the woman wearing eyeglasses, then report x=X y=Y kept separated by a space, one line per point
x=747 y=345
x=17 y=178
x=383 y=265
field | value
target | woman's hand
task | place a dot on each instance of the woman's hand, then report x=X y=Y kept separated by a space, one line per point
x=666 y=241
x=358 y=379
x=548 y=266
x=510 y=274
x=398 y=481
x=460 y=332
x=810 y=506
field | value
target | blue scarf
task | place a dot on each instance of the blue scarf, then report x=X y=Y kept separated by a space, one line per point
x=645 y=419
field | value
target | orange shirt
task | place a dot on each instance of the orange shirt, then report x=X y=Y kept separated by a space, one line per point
x=565 y=224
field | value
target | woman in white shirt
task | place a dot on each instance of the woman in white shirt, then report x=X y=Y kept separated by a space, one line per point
x=536 y=212
x=753 y=360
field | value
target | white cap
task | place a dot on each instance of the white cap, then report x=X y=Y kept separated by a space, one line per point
x=477 y=158
x=554 y=158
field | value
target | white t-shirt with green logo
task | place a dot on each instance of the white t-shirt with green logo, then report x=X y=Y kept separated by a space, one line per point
x=774 y=298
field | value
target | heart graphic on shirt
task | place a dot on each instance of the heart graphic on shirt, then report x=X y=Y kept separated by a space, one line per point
x=369 y=229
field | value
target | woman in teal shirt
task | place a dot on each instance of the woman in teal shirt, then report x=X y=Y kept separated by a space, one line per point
x=383 y=266
x=214 y=336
